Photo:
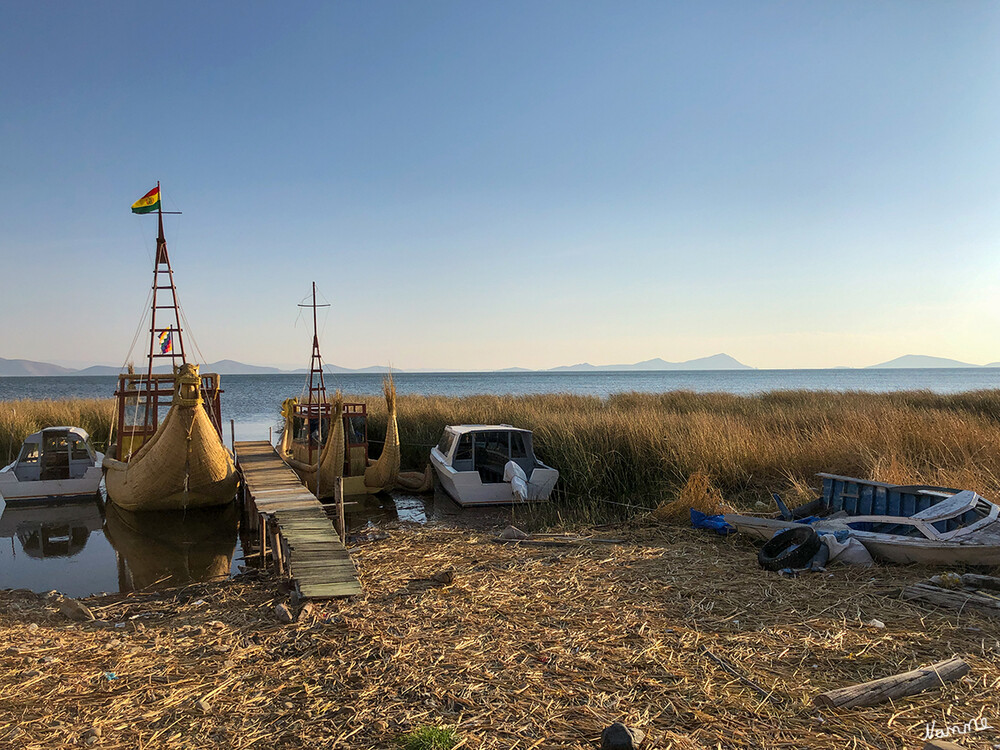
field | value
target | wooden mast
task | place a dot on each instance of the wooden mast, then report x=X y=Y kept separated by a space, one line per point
x=148 y=392
x=316 y=406
x=317 y=385
x=162 y=272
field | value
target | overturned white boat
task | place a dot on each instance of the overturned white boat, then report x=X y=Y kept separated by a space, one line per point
x=897 y=523
x=483 y=464
x=57 y=462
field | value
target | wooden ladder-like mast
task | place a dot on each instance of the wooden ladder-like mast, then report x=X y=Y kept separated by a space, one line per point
x=316 y=406
x=162 y=272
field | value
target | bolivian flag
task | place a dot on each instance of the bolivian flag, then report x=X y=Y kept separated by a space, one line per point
x=148 y=203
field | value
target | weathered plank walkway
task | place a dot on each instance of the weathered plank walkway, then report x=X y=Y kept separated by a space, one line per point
x=304 y=543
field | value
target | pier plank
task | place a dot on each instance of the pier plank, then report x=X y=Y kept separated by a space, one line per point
x=311 y=550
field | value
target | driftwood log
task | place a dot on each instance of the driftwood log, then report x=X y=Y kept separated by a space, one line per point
x=953 y=598
x=897 y=686
x=976 y=581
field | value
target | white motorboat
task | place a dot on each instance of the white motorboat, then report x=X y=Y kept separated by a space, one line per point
x=57 y=462
x=896 y=523
x=484 y=464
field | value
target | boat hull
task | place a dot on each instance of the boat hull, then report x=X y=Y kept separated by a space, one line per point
x=467 y=487
x=13 y=490
x=184 y=465
x=884 y=547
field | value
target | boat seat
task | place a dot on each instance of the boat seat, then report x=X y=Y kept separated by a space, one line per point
x=960 y=502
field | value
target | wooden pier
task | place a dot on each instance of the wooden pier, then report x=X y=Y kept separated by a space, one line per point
x=304 y=543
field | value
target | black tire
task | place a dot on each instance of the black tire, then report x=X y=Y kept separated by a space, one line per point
x=791 y=548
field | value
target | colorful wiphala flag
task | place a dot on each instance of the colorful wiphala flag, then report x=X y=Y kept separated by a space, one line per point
x=148 y=203
x=166 y=344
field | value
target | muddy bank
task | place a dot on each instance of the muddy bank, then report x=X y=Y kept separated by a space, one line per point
x=528 y=646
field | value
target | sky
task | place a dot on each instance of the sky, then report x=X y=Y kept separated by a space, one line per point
x=479 y=185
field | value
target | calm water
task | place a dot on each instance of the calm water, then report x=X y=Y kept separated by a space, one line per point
x=89 y=547
x=253 y=400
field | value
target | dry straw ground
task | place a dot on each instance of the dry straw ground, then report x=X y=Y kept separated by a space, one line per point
x=529 y=647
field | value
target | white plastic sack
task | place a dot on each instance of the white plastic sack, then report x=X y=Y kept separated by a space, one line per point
x=851 y=552
x=518 y=481
x=511 y=470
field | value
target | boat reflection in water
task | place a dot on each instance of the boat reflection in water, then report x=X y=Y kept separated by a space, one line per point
x=59 y=529
x=160 y=549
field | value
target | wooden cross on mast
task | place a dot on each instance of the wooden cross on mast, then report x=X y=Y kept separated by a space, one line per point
x=317 y=386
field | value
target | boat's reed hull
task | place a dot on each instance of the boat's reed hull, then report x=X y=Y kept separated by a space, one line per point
x=321 y=477
x=184 y=465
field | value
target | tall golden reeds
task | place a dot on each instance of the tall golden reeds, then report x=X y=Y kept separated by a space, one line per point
x=639 y=448
x=18 y=419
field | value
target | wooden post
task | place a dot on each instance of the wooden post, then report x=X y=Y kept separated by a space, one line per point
x=897 y=686
x=277 y=553
x=338 y=496
x=232 y=434
x=263 y=542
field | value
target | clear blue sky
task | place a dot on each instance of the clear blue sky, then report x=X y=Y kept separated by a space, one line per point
x=477 y=185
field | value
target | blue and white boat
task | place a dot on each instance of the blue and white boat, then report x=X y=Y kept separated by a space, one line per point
x=897 y=523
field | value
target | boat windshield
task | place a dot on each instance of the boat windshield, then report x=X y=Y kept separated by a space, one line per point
x=80 y=450
x=447 y=441
x=311 y=428
x=29 y=454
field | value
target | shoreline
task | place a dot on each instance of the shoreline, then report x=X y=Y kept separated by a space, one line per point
x=529 y=646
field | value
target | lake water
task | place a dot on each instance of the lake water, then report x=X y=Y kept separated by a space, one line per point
x=88 y=547
x=253 y=400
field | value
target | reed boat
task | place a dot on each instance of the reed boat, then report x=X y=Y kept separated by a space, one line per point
x=178 y=460
x=896 y=523
x=325 y=440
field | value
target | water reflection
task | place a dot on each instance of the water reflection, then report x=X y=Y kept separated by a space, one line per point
x=83 y=548
x=159 y=549
x=50 y=531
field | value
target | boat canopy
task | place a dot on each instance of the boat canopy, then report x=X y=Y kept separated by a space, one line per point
x=486 y=448
x=55 y=453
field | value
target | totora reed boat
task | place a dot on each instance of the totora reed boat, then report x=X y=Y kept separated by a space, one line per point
x=179 y=461
x=324 y=441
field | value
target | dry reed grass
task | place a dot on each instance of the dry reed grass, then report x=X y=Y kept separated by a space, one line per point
x=20 y=418
x=699 y=494
x=529 y=647
x=642 y=448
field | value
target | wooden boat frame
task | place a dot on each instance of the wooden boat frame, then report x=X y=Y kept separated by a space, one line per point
x=150 y=393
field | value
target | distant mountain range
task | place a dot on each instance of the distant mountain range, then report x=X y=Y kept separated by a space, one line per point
x=715 y=362
x=921 y=361
x=25 y=367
